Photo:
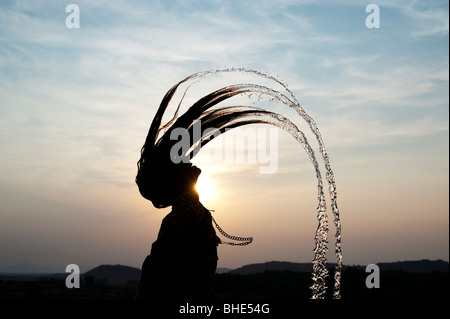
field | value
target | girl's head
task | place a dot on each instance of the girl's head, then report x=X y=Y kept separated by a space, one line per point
x=159 y=179
x=163 y=183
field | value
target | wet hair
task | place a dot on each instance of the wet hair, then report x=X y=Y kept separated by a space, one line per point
x=157 y=160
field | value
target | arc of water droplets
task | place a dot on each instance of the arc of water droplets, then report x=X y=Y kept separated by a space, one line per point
x=321 y=241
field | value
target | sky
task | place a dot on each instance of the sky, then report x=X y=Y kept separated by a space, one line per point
x=76 y=105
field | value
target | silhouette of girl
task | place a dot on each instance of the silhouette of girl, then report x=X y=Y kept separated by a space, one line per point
x=183 y=259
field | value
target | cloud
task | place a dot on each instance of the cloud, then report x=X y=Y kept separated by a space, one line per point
x=424 y=20
x=358 y=129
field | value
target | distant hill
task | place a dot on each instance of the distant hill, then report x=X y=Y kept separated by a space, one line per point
x=272 y=265
x=113 y=274
x=223 y=270
x=419 y=266
x=120 y=274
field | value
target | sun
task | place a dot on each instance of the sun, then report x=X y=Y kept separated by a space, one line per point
x=205 y=188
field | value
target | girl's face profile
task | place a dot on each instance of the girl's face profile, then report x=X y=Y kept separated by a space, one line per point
x=166 y=184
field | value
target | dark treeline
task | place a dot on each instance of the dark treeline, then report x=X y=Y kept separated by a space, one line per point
x=270 y=285
x=295 y=285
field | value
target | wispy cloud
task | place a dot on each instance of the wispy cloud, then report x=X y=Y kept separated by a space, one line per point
x=425 y=19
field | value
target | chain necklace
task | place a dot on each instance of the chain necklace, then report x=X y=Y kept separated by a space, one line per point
x=244 y=240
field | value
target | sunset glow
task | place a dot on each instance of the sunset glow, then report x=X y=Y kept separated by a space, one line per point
x=206 y=189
